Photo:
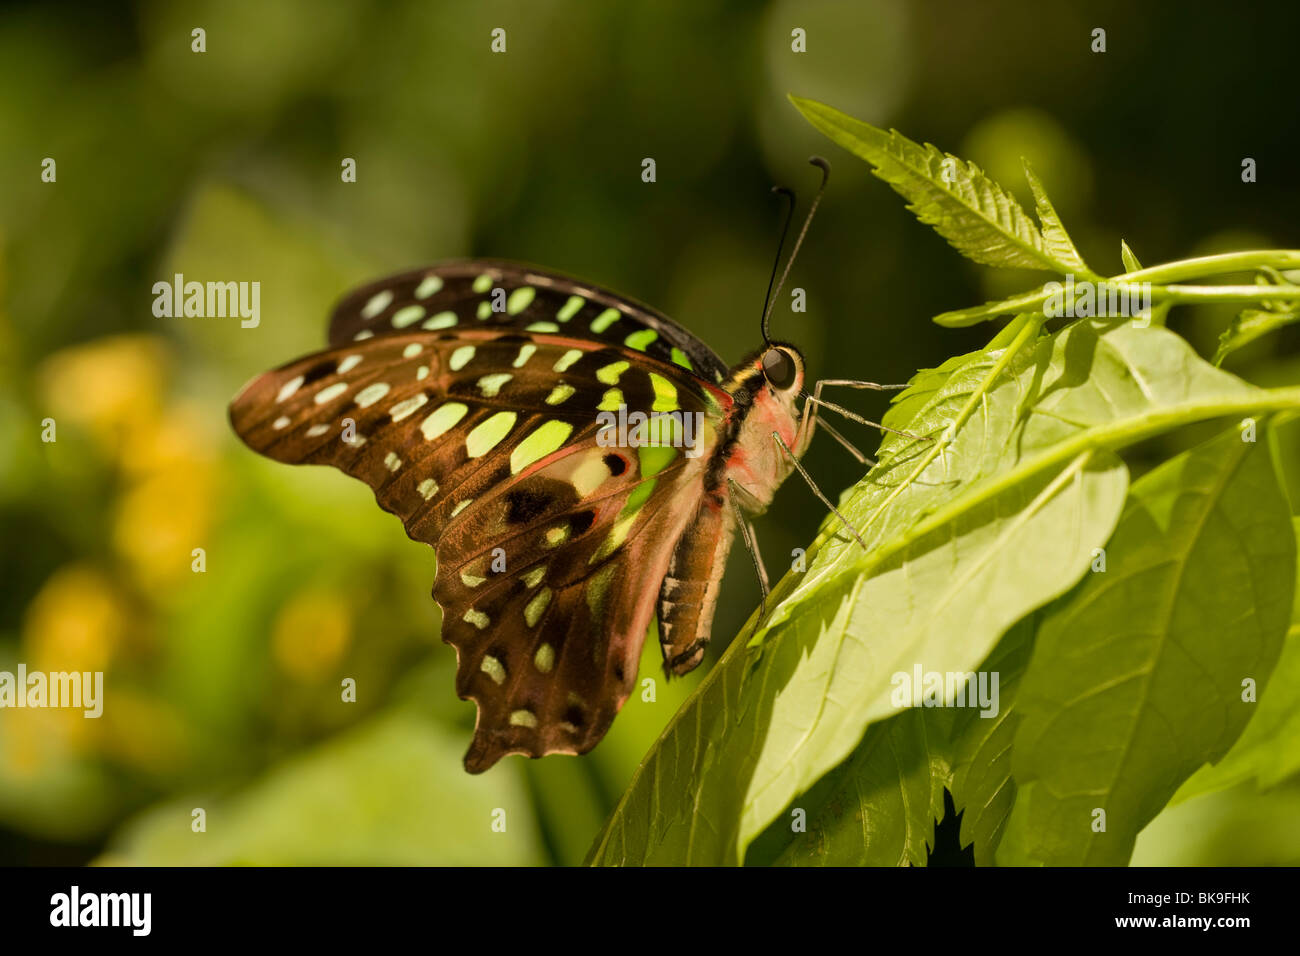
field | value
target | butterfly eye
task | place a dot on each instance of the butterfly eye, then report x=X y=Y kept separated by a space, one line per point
x=779 y=367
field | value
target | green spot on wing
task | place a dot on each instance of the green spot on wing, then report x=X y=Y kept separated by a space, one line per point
x=665 y=394
x=609 y=374
x=532 y=614
x=543 y=440
x=490 y=385
x=640 y=339
x=638 y=497
x=567 y=359
x=603 y=321
x=442 y=419
x=407 y=316
x=443 y=320
x=377 y=303
x=428 y=286
x=520 y=299
x=559 y=393
x=655 y=459
x=488 y=434
x=570 y=308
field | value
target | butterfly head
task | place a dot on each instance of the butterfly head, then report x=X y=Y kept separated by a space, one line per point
x=782 y=367
x=774 y=374
x=766 y=388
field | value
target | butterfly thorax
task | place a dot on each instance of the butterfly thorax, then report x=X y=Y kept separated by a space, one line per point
x=749 y=456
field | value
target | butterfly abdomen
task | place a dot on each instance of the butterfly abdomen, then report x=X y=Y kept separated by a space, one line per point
x=688 y=594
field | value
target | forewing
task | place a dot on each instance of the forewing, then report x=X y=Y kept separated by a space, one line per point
x=461 y=295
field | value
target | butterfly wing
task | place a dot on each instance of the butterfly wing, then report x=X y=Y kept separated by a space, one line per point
x=485 y=442
x=549 y=646
x=486 y=293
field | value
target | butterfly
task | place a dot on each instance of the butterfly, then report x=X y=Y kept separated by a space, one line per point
x=579 y=462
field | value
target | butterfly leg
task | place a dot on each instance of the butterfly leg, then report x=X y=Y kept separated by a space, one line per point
x=817 y=491
x=854 y=416
x=739 y=494
x=811 y=418
x=853 y=383
x=852 y=449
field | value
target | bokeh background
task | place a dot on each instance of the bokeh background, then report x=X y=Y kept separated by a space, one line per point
x=223 y=687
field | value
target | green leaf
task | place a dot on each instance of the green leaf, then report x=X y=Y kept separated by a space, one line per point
x=1251 y=324
x=1268 y=750
x=1131 y=263
x=982 y=785
x=1056 y=241
x=877 y=808
x=1136 y=677
x=976 y=215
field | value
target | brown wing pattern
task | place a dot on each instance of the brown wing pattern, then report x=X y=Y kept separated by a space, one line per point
x=549 y=645
x=484 y=442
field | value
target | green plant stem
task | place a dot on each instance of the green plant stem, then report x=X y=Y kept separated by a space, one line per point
x=1202 y=266
x=1161 y=276
x=1225 y=293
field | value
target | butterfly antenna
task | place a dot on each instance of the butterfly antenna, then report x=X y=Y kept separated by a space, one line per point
x=776 y=263
x=825 y=167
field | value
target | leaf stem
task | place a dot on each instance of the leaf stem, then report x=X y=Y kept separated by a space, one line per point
x=1201 y=266
x=1225 y=293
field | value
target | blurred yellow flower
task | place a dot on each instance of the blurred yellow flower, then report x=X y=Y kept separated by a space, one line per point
x=181 y=438
x=114 y=386
x=168 y=510
x=160 y=521
x=312 y=631
x=75 y=622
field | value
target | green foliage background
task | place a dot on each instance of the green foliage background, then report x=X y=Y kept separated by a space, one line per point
x=223 y=687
